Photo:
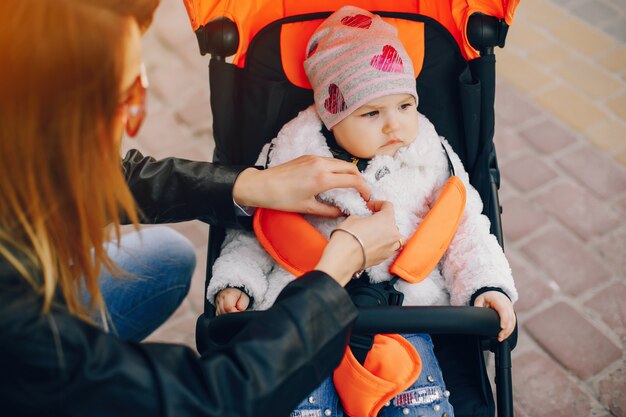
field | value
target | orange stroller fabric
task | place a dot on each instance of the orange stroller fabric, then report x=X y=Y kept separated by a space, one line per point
x=391 y=366
x=253 y=15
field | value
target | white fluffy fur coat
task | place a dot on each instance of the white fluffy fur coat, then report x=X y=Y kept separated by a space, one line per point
x=411 y=180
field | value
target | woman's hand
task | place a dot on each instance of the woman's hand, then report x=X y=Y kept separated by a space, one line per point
x=343 y=256
x=292 y=186
x=231 y=300
x=499 y=302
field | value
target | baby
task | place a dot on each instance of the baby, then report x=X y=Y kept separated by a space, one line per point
x=365 y=111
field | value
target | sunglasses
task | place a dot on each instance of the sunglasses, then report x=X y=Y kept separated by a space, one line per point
x=135 y=102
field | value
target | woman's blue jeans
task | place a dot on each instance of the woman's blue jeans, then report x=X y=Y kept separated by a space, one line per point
x=158 y=264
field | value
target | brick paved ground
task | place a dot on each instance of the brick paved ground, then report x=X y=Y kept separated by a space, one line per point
x=561 y=140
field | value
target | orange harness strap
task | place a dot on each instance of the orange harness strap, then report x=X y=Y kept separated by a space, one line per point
x=430 y=241
x=297 y=246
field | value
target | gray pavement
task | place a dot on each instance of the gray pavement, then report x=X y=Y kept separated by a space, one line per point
x=561 y=141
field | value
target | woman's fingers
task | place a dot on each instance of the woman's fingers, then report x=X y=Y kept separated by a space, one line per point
x=346 y=175
x=324 y=210
x=292 y=186
x=365 y=241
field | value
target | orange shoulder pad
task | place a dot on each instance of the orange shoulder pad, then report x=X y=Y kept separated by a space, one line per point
x=430 y=241
x=279 y=231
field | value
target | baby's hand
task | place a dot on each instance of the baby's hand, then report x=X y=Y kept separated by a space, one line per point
x=231 y=300
x=499 y=302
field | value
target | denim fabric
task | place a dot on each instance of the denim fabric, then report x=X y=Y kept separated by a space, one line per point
x=159 y=263
x=427 y=397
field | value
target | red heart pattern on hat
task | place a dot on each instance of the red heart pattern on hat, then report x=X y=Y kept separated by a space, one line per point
x=335 y=102
x=357 y=21
x=388 y=61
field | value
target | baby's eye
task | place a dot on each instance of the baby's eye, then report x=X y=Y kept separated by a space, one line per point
x=406 y=106
x=370 y=114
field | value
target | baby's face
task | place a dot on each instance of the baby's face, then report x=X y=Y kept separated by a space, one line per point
x=380 y=127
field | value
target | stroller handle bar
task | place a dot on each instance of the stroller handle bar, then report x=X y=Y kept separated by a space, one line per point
x=433 y=320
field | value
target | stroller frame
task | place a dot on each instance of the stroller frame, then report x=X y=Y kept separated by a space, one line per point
x=220 y=39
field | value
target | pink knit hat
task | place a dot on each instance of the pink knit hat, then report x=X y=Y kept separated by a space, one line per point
x=352 y=58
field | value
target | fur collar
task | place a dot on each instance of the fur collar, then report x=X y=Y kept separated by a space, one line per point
x=303 y=136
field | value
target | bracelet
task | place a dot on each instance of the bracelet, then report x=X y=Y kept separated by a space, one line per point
x=357 y=274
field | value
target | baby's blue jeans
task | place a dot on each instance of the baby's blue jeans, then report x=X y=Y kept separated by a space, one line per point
x=427 y=396
x=159 y=263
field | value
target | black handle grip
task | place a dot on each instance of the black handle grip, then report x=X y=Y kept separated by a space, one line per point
x=219 y=37
x=486 y=32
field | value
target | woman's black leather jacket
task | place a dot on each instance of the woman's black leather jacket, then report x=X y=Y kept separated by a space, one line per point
x=57 y=365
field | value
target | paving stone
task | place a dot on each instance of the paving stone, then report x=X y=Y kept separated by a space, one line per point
x=518 y=412
x=193 y=149
x=598 y=172
x=581 y=36
x=155 y=55
x=160 y=133
x=572 y=107
x=550 y=54
x=507 y=142
x=520 y=218
x=528 y=172
x=589 y=78
x=572 y=340
x=613 y=248
x=196 y=231
x=594 y=12
x=547 y=136
x=619 y=4
x=621 y=158
x=526 y=40
x=578 y=209
x=601 y=411
x=540 y=12
x=617 y=30
x=510 y=64
x=620 y=204
x=196 y=291
x=533 y=289
x=568 y=262
x=618 y=105
x=172 y=25
x=610 y=305
x=615 y=59
x=196 y=112
x=512 y=107
x=568 y=4
x=612 y=389
x=175 y=83
x=542 y=389
x=608 y=136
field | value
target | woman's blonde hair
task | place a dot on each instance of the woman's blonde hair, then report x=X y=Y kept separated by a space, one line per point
x=61 y=182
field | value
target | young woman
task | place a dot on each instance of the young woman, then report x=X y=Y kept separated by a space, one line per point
x=70 y=84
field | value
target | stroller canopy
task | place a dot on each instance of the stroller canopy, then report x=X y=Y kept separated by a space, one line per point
x=253 y=15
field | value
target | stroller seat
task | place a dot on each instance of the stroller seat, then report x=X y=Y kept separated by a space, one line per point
x=264 y=86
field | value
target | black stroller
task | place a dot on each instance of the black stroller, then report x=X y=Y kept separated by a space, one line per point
x=456 y=86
